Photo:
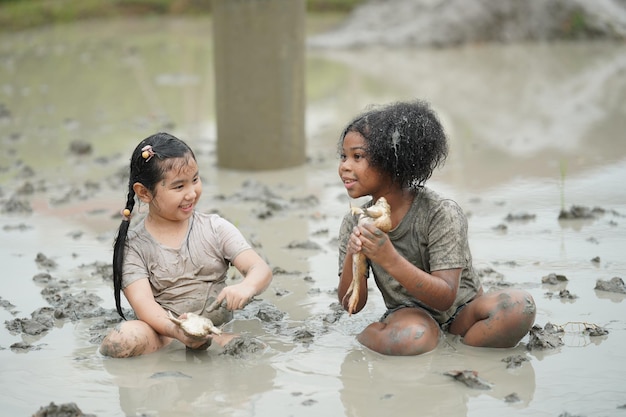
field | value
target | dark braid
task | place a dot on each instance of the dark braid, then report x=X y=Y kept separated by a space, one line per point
x=168 y=152
x=118 y=251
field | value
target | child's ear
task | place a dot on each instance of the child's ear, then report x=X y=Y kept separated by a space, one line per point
x=142 y=192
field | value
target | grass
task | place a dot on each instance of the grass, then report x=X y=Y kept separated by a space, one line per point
x=563 y=169
x=17 y=15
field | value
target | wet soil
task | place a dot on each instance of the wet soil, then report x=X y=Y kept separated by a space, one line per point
x=536 y=131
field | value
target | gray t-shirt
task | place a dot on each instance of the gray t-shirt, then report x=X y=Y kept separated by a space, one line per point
x=188 y=278
x=432 y=236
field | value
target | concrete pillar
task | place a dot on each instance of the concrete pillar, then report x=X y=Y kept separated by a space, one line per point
x=259 y=54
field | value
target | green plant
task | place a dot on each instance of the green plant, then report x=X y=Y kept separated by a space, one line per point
x=563 y=169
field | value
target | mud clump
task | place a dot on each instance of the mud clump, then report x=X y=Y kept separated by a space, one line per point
x=15 y=205
x=515 y=361
x=23 y=347
x=553 y=279
x=44 y=262
x=551 y=336
x=547 y=338
x=62 y=410
x=520 y=217
x=243 y=346
x=615 y=284
x=580 y=212
x=79 y=147
x=63 y=305
x=470 y=378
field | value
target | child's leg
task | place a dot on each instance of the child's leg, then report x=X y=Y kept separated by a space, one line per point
x=496 y=319
x=132 y=338
x=408 y=331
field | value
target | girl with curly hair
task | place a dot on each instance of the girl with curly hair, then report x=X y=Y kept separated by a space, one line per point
x=423 y=265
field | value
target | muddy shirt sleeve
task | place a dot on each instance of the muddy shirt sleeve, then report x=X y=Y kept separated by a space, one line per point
x=230 y=239
x=448 y=245
x=135 y=267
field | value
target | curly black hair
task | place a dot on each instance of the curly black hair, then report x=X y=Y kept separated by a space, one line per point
x=404 y=139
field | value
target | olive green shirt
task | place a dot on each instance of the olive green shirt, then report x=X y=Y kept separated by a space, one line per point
x=432 y=236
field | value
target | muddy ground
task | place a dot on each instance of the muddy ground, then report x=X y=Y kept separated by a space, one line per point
x=537 y=161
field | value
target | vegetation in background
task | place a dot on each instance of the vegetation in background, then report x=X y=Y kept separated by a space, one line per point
x=563 y=169
x=23 y=14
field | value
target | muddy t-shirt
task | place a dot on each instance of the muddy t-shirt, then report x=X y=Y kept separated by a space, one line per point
x=189 y=278
x=432 y=236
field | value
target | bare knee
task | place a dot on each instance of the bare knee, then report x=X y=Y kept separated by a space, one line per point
x=508 y=317
x=407 y=340
x=519 y=307
x=131 y=338
x=526 y=312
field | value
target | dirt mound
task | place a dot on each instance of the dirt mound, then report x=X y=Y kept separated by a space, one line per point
x=452 y=22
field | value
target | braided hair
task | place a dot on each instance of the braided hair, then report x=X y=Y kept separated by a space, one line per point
x=151 y=160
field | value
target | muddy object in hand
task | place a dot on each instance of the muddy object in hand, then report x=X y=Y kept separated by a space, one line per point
x=380 y=215
x=195 y=325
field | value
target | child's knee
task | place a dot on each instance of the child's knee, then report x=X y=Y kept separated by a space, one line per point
x=112 y=345
x=122 y=342
x=408 y=340
x=525 y=306
x=516 y=302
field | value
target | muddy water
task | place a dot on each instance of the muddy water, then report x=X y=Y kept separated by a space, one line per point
x=533 y=128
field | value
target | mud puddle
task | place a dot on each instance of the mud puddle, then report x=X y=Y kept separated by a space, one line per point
x=529 y=138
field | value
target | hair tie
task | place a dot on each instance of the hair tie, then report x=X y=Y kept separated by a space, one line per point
x=147 y=152
x=126 y=215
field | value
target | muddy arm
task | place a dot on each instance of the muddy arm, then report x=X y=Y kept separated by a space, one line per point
x=257 y=276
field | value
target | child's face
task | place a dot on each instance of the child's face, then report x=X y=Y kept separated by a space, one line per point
x=359 y=178
x=178 y=193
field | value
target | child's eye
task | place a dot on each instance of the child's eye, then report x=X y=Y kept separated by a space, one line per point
x=342 y=157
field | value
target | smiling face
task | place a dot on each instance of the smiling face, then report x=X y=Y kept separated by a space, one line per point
x=177 y=194
x=358 y=176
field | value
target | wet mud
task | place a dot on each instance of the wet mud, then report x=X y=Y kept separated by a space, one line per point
x=559 y=235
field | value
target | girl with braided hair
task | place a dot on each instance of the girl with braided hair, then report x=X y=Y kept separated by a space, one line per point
x=175 y=260
x=423 y=265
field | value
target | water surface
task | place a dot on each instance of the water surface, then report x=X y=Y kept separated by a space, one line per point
x=533 y=129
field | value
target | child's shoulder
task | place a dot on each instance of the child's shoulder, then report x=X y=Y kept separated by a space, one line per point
x=432 y=201
x=212 y=221
x=203 y=218
x=427 y=195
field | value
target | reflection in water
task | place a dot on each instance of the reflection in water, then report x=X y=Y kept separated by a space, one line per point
x=513 y=112
x=417 y=386
x=180 y=382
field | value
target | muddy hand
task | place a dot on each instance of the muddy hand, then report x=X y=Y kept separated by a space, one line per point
x=216 y=304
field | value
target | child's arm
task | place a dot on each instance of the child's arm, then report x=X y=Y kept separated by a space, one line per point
x=437 y=289
x=139 y=295
x=257 y=277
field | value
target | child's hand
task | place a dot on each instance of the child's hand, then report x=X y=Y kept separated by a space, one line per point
x=192 y=342
x=373 y=242
x=196 y=343
x=354 y=242
x=237 y=296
